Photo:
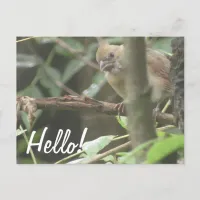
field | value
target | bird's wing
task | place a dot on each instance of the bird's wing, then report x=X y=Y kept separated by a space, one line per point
x=158 y=64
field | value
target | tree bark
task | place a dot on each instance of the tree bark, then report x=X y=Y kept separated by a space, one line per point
x=139 y=107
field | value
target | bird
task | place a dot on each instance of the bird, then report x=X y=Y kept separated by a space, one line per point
x=110 y=60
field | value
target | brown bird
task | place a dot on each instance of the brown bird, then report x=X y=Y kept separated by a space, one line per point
x=109 y=58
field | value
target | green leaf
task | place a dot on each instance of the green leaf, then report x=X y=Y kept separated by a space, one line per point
x=76 y=65
x=26 y=161
x=48 y=80
x=61 y=51
x=115 y=40
x=72 y=68
x=98 y=82
x=123 y=121
x=21 y=146
x=163 y=148
x=27 y=60
x=72 y=43
x=52 y=73
x=130 y=156
x=121 y=153
x=160 y=134
x=37 y=115
x=168 y=131
x=31 y=91
x=83 y=155
x=55 y=91
x=24 y=117
x=109 y=158
x=93 y=147
x=92 y=50
x=163 y=44
x=172 y=131
x=45 y=40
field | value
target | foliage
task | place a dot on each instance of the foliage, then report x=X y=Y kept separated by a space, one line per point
x=42 y=74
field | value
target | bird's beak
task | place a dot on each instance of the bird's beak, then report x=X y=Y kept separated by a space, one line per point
x=105 y=65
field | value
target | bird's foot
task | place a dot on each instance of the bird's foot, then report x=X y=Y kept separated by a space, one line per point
x=120 y=107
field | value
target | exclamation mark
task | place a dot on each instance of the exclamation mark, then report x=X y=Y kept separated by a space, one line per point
x=82 y=139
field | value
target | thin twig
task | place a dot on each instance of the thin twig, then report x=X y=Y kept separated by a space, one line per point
x=62 y=161
x=65 y=88
x=166 y=106
x=24 y=39
x=77 y=55
x=107 y=153
x=31 y=151
x=57 y=82
x=67 y=46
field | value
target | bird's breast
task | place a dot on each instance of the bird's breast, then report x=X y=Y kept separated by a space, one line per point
x=117 y=83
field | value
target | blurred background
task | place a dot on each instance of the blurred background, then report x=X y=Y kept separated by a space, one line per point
x=56 y=66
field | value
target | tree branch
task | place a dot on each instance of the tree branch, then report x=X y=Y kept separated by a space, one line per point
x=76 y=103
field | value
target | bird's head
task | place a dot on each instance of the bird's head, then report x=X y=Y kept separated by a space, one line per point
x=109 y=57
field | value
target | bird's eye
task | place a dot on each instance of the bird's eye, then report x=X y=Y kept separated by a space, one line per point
x=111 y=55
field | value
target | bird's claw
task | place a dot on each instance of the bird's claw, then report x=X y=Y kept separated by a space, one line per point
x=120 y=107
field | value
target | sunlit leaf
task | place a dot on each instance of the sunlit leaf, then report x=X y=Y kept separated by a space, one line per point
x=27 y=60
x=121 y=153
x=160 y=134
x=130 y=156
x=98 y=82
x=109 y=158
x=83 y=155
x=123 y=121
x=172 y=130
x=91 y=148
x=163 y=148
x=168 y=131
